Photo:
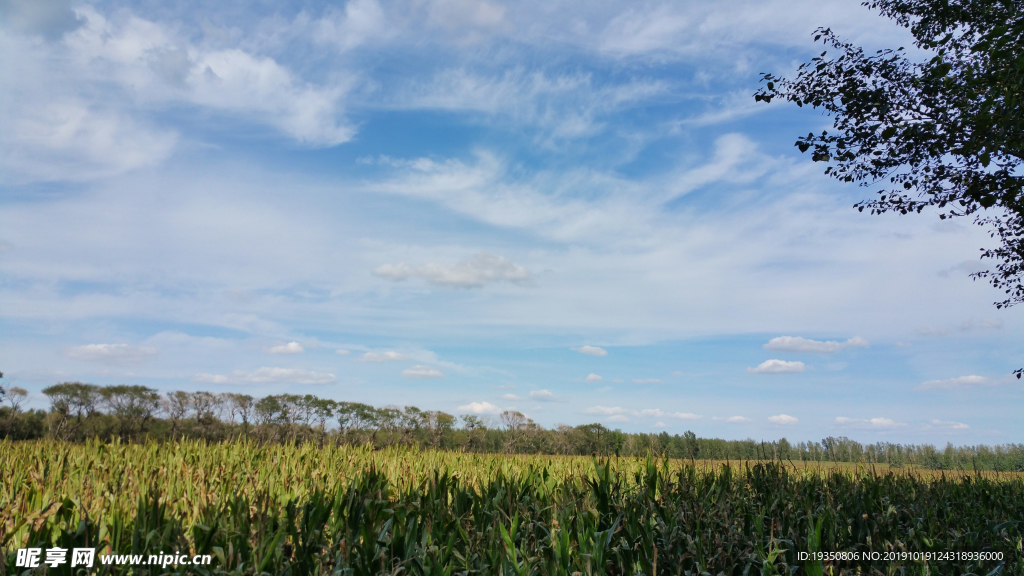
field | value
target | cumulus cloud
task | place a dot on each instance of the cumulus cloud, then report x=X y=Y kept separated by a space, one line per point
x=267 y=375
x=591 y=351
x=783 y=419
x=422 y=371
x=79 y=106
x=646 y=381
x=111 y=353
x=593 y=378
x=475 y=272
x=617 y=418
x=511 y=397
x=480 y=408
x=289 y=348
x=542 y=395
x=385 y=356
x=777 y=367
x=798 y=344
x=953 y=383
x=876 y=423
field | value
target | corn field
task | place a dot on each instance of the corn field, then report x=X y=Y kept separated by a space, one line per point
x=309 y=509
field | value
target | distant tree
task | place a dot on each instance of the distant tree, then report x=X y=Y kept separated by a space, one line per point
x=177 y=405
x=73 y=402
x=16 y=396
x=355 y=416
x=949 y=129
x=240 y=406
x=132 y=406
x=691 y=444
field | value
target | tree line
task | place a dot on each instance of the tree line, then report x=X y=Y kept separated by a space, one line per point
x=137 y=413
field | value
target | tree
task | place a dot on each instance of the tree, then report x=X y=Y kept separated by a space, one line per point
x=239 y=406
x=72 y=399
x=177 y=406
x=945 y=133
x=133 y=406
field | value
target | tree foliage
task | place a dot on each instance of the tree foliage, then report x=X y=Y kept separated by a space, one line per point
x=943 y=131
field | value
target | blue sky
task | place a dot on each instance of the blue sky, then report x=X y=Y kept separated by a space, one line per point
x=575 y=210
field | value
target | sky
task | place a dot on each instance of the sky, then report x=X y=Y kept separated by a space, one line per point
x=574 y=210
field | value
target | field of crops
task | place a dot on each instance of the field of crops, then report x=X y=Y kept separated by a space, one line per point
x=279 y=509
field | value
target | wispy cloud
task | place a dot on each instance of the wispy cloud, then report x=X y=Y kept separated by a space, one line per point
x=421 y=372
x=876 y=423
x=798 y=344
x=733 y=419
x=591 y=350
x=777 y=367
x=385 y=356
x=111 y=353
x=593 y=378
x=949 y=425
x=648 y=412
x=971 y=381
x=267 y=375
x=474 y=272
x=289 y=348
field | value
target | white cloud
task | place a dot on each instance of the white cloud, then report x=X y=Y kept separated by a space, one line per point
x=386 y=356
x=798 y=344
x=617 y=418
x=511 y=397
x=949 y=424
x=475 y=272
x=647 y=412
x=646 y=381
x=684 y=416
x=560 y=106
x=111 y=353
x=422 y=371
x=877 y=423
x=591 y=350
x=480 y=408
x=953 y=383
x=267 y=375
x=777 y=367
x=593 y=378
x=289 y=348
x=783 y=419
x=362 y=22
x=735 y=419
x=606 y=410
x=342 y=352
x=542 y=395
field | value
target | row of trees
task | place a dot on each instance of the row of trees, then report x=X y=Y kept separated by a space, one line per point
x=137 y=413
